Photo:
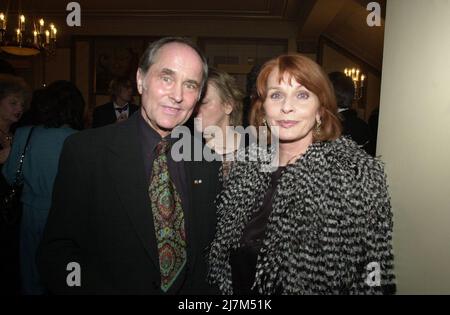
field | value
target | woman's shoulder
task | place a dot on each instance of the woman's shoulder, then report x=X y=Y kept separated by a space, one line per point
x=22 y=130
x=54 y=132
x=347 y=154
x=21 y=133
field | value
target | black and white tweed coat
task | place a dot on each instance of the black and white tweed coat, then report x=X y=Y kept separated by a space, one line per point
x=331 y=219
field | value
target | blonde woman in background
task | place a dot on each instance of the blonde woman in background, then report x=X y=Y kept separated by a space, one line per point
x=220 y=110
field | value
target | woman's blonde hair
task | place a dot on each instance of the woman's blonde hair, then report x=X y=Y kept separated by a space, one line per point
x=229 y=92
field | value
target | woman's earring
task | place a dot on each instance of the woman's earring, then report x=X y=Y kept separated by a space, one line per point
x=317 y=128
x=264 y=127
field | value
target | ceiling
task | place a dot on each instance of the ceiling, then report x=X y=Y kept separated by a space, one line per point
x=342 y=21
x=249 y=9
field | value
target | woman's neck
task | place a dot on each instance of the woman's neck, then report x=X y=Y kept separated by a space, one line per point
x=5 y=126
x=289 y=152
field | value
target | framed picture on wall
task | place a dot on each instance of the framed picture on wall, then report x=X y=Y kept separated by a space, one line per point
x=116 y=57
x=367 y=79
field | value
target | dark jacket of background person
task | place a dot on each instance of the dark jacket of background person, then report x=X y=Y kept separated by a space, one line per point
x=356 y=128
x=105 y=114
x=116 y=230
x=59 y=114
x=121 y=92
x=373 y=126
x=353 y=126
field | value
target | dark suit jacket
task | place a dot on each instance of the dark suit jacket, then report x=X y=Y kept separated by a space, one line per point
x=356 y=128
x=105 y=114
x=101 y=217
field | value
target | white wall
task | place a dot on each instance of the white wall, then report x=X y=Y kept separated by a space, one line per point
x=414 y=140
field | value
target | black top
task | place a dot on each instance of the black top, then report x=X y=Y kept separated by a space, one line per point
x=243 y=260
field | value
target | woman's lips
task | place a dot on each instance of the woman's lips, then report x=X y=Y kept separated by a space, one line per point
x=286 y=123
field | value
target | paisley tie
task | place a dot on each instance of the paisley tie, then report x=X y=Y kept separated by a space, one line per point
x=168 y=217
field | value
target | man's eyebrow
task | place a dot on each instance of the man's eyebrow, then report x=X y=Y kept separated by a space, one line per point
x=193 y=82
x=167 y=71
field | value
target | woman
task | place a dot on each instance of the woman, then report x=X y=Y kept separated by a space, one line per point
x=321 y=223
x=14 y=95
x=219 y=112
x=60 y=114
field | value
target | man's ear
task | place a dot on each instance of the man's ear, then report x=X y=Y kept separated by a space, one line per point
x=140 y=80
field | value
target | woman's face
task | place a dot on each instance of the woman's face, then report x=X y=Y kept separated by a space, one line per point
x=291 y=110
x=11 y=108
x=212 y=111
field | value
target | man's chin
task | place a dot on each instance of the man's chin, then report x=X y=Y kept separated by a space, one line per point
x=167 y=127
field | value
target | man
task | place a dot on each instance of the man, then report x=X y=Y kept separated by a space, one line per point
x=120 y=107
x=352 y=125
x=113 y=213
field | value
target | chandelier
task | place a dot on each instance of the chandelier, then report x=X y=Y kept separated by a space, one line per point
x=25 y=36
x=358 y=81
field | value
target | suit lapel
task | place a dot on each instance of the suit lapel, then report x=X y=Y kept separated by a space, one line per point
x=204 y=177
x=126 y=165
x=189 y=218
x=112 y=114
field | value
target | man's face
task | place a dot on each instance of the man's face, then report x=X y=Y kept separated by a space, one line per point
x=125 y=93
x=171 y=87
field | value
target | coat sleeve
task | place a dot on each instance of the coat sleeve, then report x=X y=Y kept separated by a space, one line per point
x=377 y=267
x=60 y=258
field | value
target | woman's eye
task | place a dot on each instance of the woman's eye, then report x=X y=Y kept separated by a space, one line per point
x=303 y=95
x=275 y=96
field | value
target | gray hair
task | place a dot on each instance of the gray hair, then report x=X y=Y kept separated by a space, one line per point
x=148 y=58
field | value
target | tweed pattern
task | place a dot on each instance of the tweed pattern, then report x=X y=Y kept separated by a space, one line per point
x=331 y=218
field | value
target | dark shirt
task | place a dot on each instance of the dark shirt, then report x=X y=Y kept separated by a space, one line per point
x=150 y=139
x=243 y=260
